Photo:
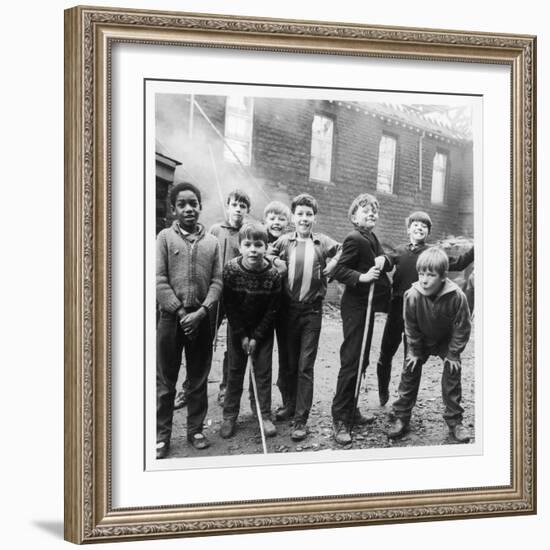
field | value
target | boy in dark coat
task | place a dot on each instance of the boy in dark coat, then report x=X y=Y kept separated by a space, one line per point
x=361 y=264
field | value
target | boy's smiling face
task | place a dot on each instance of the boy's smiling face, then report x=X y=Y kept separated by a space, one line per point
x=236 y=211
x=303 y=218
x=187 y=209
x=418 y=232
x=276 y=223
x=365 y=216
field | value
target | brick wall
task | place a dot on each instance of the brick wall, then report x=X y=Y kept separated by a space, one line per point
x=281 y=158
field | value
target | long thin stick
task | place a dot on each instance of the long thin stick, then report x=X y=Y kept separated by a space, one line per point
x=250 y=365
x=362 y=355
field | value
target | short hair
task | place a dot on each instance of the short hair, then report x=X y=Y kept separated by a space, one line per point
x=434 y=259
x=278 y=208
x=184 y=186
x=304 y=199
x=238 y=195
x=421 y=217
x=253 y=231
x=364 y=199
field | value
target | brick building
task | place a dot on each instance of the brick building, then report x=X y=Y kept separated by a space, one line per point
x=277 y=148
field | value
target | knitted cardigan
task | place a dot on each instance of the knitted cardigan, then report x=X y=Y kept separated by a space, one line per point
x=188 y=269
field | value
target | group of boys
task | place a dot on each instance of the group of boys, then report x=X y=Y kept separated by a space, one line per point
x=267 y=280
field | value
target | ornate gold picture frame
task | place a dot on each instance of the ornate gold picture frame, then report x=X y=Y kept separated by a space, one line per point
x=91 y=37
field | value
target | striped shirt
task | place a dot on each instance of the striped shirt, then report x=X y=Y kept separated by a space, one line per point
x=306 y=260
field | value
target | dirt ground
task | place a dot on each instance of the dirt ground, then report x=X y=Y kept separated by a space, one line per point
x=427 y=424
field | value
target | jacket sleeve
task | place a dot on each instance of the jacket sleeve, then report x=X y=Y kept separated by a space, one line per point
x=461 y=262
x=415 y=339
x=166 y=297
x=231 y=302
x=215 y=287
x=388 y=265
x=331 y=247
x=461 y=328
x=345 y=271
x=265 y=325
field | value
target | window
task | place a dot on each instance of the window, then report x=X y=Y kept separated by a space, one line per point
x=439 y=176
x=238 y=129
x=322 y=131
x=386 y=164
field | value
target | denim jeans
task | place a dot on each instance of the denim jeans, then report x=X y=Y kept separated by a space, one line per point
x=171 y=342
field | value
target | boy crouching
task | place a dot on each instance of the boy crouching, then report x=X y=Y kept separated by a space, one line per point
x=251 y=293
x=437 y=322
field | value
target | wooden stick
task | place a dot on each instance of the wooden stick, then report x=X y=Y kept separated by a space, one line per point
x=250 y=365
x=362 y=355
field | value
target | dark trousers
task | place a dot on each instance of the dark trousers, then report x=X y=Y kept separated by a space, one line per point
x=236 y=372
x=451 y=389
x=303 y=328
x=219 y=314
x=198 y=357
x=282 y=351
x=353 y=312
x=391 y=338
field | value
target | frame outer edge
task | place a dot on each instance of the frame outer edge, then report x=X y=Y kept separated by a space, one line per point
x=87 y=503
x=73 y=295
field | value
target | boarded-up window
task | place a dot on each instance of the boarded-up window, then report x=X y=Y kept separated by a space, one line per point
x=386 y=164
x=322 y=131
x=438 y=178
x=238 y=129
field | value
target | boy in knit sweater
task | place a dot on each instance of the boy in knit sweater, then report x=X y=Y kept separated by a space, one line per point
x=188 y=286
x=361 y=264
x=437 y=322
x=419 y=226
x=251 y=294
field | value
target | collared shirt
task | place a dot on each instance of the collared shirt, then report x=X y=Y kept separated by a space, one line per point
x=306 y=260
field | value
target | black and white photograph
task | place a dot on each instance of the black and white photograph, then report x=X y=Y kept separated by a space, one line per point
x=314 y=273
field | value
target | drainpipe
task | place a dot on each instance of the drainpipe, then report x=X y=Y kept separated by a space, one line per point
x=420 y=144
x=191 y=115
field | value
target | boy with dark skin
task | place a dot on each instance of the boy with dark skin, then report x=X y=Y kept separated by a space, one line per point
x=188 y=287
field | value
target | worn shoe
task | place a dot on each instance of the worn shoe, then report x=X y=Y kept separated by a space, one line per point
x=221 y=396
x=360 y=420
x=383 y=396
x=162 y=449
x=269 y=429
x=284 y=413
x=460 y=433
x=180 y=400
x=228 y=428
x=199 y=441
x=399 y=429
x=341 y=433
x=299 y=433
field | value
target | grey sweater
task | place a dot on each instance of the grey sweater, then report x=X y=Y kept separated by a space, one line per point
x=189 y=270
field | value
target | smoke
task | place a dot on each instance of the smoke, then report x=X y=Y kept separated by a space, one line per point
x=200 y=149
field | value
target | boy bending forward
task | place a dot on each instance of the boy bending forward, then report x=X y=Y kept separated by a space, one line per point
x=437 y=322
